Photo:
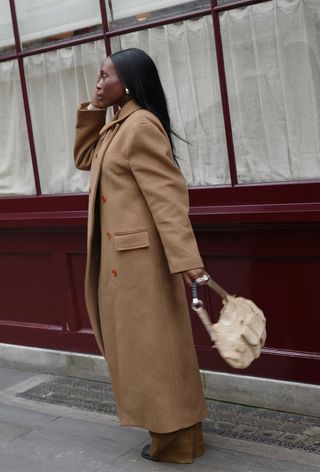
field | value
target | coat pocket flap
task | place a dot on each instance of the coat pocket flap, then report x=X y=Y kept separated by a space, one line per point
x=132 y=240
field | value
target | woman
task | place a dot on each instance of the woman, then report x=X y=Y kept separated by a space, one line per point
x=140 y=248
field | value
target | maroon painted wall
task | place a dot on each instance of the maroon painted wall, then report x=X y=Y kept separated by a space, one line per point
x=275 y=264
x=257 y=240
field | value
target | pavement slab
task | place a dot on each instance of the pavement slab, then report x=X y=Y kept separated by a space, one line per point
x=226 y=419
x=37 y=435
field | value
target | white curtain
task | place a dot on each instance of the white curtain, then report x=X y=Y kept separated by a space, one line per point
x=272 y=59
x=57 y=82
x=6 y=30
x=126 y=8
x=43 y=18
x=185 y=56
x=16 y=174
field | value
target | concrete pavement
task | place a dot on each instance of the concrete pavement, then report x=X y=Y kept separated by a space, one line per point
x=37 y=436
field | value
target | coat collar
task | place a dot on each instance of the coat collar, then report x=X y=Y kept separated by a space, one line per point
x=129 y=108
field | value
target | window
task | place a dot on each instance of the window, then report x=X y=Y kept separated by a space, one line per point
x=270 y=54
x=6 y=31
x=44 y=21
x=124 y=13
x=16 y=174
x=185 y=56
x=272 y=60
x=58 y=81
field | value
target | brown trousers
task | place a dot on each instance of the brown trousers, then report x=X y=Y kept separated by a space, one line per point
x=180 y=446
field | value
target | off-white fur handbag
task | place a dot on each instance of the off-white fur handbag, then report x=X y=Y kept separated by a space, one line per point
x=240 y=332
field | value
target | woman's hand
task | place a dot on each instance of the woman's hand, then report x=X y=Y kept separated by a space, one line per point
x=193 y=274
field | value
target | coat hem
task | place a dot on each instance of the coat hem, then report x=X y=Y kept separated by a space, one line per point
x=155 y=429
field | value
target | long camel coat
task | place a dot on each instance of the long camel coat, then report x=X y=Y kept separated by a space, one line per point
x=139 y=241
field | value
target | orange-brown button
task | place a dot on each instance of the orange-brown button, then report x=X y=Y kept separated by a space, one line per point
x=108 y=235
x=103 y=199
x=114 y=272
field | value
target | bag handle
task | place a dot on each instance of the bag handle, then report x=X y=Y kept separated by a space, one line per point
x=197 y=304
x=207 y=280
x=218 y=289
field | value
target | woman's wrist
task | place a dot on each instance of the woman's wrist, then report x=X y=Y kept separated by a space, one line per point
x=190 y=275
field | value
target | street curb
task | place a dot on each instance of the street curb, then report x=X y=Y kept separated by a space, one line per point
x=291 y=397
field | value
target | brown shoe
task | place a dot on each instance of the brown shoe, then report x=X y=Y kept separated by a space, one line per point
x=146 y=453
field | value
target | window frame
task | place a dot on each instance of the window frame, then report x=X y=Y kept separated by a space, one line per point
x=234 y=202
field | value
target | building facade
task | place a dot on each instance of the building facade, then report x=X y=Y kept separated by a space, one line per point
x=241 y=81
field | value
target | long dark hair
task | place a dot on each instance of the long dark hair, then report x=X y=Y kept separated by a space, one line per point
x=139 y=74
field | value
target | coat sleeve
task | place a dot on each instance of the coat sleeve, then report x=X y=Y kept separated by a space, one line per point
x=166 y=194
x=88 y=126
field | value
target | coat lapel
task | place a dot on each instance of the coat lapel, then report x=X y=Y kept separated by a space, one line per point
x=95 y=177
x=121 y=115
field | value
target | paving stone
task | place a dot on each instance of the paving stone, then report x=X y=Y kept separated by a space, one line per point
x=225 y=419
x=21 y=417
x=9 y=377
x=9 y=432
x=68 y=445
x=81 y=439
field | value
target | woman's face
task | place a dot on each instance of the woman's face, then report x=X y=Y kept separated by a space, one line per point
x=109 y=88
